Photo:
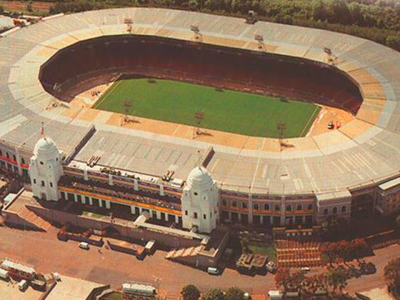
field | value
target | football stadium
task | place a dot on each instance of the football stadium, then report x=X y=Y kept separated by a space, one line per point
x=293 y=124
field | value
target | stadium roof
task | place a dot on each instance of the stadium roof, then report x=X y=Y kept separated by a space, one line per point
x=363 y=153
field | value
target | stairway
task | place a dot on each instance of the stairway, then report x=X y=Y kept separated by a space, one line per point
x=31 y=217
x=187 y=255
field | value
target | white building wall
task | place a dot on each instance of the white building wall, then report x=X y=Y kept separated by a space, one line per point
x=200 y=201
x=45 y=170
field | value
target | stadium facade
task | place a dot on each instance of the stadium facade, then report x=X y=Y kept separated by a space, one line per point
x=347 y=172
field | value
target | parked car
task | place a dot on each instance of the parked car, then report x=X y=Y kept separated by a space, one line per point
x=84 y=246
x=212 y=271
x=22 y=285
x=4 y=275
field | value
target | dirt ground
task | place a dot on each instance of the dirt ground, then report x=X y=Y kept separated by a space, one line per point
x=326 y=115
x=45 y=253
x=80 y=108
x=20 y=6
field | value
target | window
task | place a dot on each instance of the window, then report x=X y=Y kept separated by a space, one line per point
x=204 y=217
x=43 y=183
x=14 y=158
x=244 y=205
x=186 y=212
x=277 y=208
x=255 y=206
x=325 y=211
x=334 y=211
x=1 y=152
x=8 y=155
x=51 y=184
x=299 y=207
x=195 y=193
x=234 y=203
x=309 y=207
x=23 y=160
x=343 y=209
x=289 y=208
x=34 y=181
x=266 y=206
x=223 y=202
x=41 y=163
x=195 y=215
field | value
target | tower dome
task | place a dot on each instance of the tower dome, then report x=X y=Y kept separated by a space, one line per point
x=199 y=178
x=45 y=170
x=45 y=146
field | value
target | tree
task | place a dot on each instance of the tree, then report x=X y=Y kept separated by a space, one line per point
x=29 y=7
x=328 y=253
x=393 y=41
x=282 y=277
x=193 y=4
x=319 y=12
x=235 y=294
x=214 y=294
x=356 y=13
x=190 y=292
x=392 y=272
x=1 y=9
x=358 y=248
x=338 y=12
x=337 y=278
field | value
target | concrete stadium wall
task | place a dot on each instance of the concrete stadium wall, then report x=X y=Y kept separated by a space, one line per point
x=168 y=241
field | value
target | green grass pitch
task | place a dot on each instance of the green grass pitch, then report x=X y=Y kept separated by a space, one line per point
x=226 y=110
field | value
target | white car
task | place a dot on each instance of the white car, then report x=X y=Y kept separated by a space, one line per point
x=212 y=271
x=22 y=285
x=306 y=269
x=84 y=246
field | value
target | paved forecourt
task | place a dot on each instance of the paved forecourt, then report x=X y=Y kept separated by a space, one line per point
x=362 y=153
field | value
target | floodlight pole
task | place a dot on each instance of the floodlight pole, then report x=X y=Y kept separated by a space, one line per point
x=196 y=31
x=260 y=39
x=331 y=57
x=199 y=116
x=127 y=107
x=281 y=129
x=128 y=22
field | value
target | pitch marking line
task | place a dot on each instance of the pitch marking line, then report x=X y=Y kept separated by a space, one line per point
x=109 y=91
x=312 y=117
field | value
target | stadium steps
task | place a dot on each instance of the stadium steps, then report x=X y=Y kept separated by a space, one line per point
x=34 y=219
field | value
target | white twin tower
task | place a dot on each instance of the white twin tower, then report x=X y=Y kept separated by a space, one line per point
x=199 y=201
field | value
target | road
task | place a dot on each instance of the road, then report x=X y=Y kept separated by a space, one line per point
x=46 y=253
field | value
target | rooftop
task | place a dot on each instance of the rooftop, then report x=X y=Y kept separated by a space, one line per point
x=362 y=153
x=72 y=288
x=119 y=191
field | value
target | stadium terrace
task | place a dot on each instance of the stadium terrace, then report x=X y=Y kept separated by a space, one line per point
x=94 y=159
